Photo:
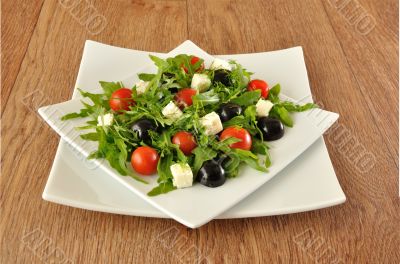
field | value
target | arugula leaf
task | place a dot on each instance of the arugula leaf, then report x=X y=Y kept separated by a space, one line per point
x=206 y=98
x=110 y=87
x=146 y=76
x=247 y=98
x=202 y=154
x=90 y=136
x=231 y=165
x=260 y=147
x=162 y=188
x=160 y=63
x=283 y=114
x=83 y=113
x=273 y=94
x=235 y=121
x=292 y=107
x=250 y=159
x=163 y=168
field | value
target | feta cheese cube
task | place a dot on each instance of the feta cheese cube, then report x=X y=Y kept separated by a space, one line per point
x=141 y=86
x=218 y=64
x=105 y=120
x=263 y=107
x=200 y=82
x=183 y=175
x=171 y=111
x=212 y=123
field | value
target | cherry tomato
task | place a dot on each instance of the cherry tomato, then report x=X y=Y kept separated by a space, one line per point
x=193 y=61
x=121 y=99
x=144 y=160
x=259 y=85
x=184 y=97
x=185 y=141
x=240 y=133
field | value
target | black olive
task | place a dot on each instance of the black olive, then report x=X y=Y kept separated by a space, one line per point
x=142 y=127
x=222 y=76
x=271 y=128
x=228 y=111
x=211 y=174
x=173 y=90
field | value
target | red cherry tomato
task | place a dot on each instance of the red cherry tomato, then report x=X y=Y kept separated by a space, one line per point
x=240 y=133
x=193 y=61
x=259 y=85
x=121 y=99
x=184 y=97
x=144 y=160
x=185 y=141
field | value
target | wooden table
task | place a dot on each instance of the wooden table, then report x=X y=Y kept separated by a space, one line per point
x=352 y=59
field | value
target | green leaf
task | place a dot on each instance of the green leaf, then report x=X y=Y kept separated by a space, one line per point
x=250 y=159
x=90 y=136
x=164 y=168
x=160 y=63
x=247 y=98
x=259 y=147
x=162 y=188
x=82 y=113
x=292 y=107
x=146 y=76
x=273 y=94
x=231 y=165
x=95 y=98
x=110 y=87
x=283 y=115
x=206 y=98
x=275 y=90
x=235 y=121
x=202 y=154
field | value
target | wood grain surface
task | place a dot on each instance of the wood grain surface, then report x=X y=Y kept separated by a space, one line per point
x=353 y=70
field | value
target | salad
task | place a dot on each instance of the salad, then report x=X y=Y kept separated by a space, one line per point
x=186 y=122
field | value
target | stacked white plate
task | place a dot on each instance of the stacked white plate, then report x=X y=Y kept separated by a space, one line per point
x=301 y=177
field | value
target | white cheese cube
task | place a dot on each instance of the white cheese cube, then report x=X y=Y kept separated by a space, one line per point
x=263 y=107
x=105 y=120
x=212 y=123
x=171 y=111
x=183 y=175
x=218 y=64
x=200 y=82
x=141 y=86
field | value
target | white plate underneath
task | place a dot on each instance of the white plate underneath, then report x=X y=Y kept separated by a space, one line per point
x=301 y=186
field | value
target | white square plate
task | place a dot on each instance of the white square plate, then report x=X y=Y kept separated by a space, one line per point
x=179 y=204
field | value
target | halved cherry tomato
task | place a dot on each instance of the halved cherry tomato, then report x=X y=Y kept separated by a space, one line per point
x=144 y=160
x=259 y=85
x=121 y=99
x=184 y=97
x=239 y=133
x=193 y=61
x=185 y=141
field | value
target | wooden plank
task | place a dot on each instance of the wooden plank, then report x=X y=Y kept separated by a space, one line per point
x=370 y=43
x=47 y=74
x=18 y=20
x=249 y=26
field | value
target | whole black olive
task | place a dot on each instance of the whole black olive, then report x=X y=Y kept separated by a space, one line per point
x=142 y=127
x=222 y=76
x=211 y=174
x=228 y=111
x=271 y=128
